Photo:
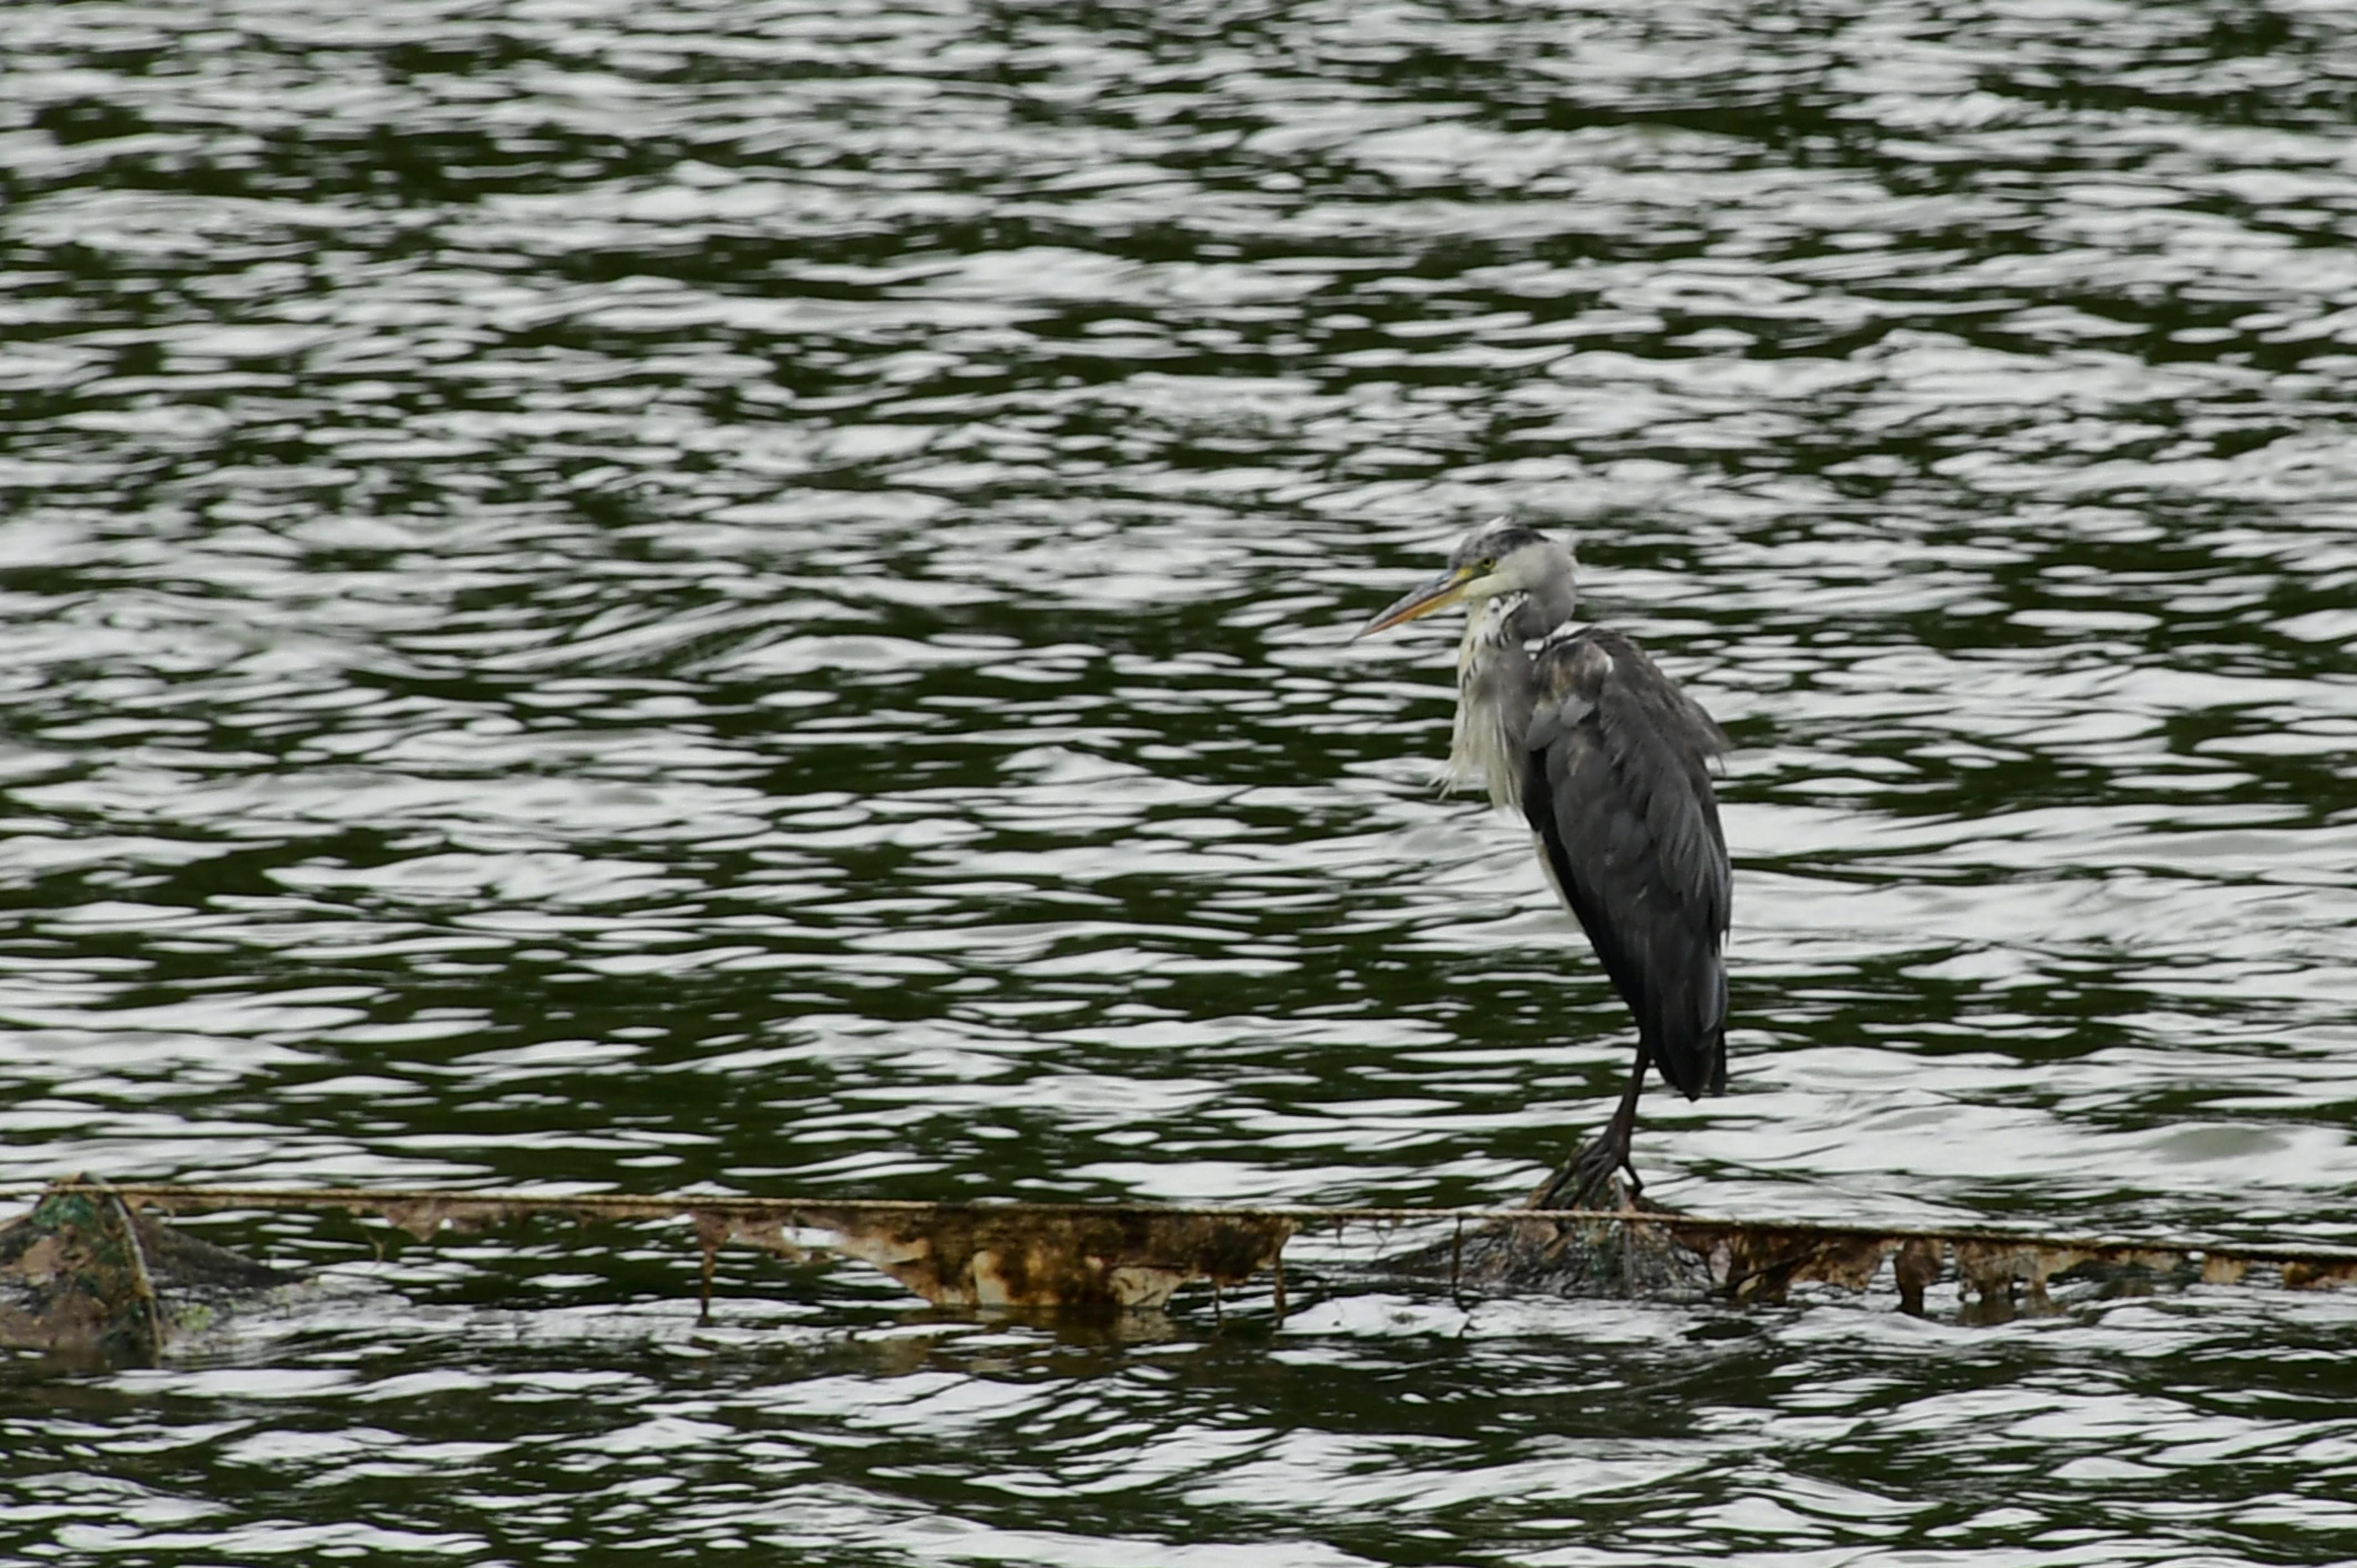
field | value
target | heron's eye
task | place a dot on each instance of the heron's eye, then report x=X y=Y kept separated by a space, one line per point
x=1488 y=564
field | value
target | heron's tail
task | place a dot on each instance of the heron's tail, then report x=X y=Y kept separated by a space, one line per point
x=1688 y=1042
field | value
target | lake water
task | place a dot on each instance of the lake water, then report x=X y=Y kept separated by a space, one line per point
x=756 y=596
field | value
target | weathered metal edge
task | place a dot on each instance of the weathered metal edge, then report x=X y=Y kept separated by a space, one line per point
x=476 y=1205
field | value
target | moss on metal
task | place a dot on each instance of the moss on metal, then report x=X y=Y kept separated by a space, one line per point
x=85 y=1275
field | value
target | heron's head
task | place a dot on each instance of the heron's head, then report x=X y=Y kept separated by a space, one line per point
x=1498 y=557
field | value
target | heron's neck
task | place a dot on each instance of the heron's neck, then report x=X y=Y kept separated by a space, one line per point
x=1510 y=620
x=1495 y=689
x=1494 y=697
x=1540 y=610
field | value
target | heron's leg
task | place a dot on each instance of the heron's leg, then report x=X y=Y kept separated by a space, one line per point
x=1592 y=1169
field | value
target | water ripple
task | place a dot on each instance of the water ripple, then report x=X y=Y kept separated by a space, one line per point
x=760 y=598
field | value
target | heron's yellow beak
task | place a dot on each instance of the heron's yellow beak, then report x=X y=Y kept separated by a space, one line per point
x=1437 y=595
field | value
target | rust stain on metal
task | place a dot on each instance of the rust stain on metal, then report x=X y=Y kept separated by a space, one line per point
x=2220 y=1270
x=1762 y=1263
x=1915 y=1268
x=954 y=1255
x=988 y=1255
x=1136 y=1255
x=2307 y=1273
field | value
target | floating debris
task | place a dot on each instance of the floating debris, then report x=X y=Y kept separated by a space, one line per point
x=1661 y=1255
x=953 y=1254
x=1565 y=1253
x=1001 y=1255
x=84 y=1274
x=85 y=1270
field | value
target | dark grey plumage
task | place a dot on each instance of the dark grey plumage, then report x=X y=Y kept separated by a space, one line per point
x=1616 y=784
x=1610 y=763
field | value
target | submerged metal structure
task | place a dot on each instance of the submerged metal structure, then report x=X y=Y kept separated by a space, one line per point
x=87 y=1273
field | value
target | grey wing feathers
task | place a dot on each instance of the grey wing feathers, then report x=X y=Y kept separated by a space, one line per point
x=1617 y=786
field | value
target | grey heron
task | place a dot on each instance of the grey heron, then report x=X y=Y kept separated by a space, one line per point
x=1610 y=764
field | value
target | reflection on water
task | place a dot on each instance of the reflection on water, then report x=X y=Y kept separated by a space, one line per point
x=756 y=596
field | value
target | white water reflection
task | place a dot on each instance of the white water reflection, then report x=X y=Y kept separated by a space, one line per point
x=759 y=598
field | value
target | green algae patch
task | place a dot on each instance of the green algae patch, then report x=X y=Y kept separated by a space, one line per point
x=84 y=1274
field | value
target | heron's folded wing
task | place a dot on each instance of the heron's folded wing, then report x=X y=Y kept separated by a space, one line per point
x=1616 y=787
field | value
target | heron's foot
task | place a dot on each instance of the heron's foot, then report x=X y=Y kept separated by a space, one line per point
x=1589 y=1174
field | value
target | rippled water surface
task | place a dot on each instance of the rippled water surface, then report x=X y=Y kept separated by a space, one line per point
x=756 y=595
